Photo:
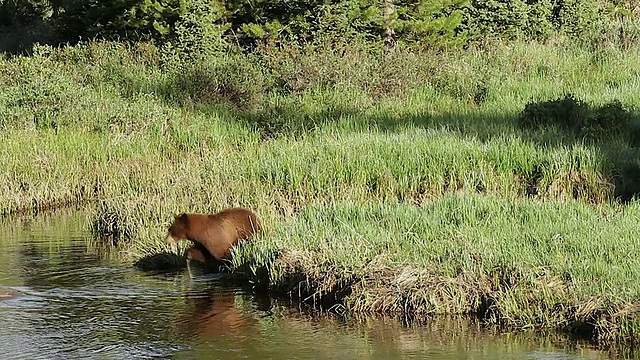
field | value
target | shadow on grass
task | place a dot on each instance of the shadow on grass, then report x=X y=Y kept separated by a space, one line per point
x=611 y=129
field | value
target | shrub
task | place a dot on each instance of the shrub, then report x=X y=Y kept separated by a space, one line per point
x=302 y=22
x=517 y=19
x=580 y=119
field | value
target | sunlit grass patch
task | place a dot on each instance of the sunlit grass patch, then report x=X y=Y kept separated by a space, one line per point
x=521 y=264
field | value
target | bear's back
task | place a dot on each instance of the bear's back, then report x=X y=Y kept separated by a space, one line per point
x=226 y=228
x=244 y=221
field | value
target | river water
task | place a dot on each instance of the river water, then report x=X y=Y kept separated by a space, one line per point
x=64 y=297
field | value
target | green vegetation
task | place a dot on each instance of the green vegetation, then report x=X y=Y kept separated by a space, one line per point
x=523 y=263
x=204 y=26
x=496 y=177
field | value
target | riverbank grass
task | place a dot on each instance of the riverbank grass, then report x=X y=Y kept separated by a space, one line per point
x=401 y=182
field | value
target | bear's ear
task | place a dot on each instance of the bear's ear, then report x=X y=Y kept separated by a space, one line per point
x=182 y=217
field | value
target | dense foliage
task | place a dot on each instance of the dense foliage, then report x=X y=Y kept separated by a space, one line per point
x=442 y=23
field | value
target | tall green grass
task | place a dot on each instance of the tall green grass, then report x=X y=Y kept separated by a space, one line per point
x=520 y=263
x=392 y=181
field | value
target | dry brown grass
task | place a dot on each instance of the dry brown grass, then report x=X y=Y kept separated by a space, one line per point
x=501 y=298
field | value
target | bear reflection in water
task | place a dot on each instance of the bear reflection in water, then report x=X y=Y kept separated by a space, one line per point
x=223 y=313
x=213 y=235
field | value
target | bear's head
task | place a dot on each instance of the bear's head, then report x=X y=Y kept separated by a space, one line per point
x=178 y=230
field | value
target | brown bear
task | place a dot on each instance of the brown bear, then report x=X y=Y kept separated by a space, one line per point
x=213 y=235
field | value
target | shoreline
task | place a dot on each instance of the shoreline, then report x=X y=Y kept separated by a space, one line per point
x=424 y=201
x=382 y=286
x=508 y=296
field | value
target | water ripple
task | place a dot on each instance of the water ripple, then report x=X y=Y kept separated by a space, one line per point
x=75 y=303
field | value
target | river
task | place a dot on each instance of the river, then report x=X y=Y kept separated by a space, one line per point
x=64 y=297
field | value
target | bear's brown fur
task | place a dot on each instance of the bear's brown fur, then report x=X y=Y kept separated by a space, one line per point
x=214 y=235
x=197 y=253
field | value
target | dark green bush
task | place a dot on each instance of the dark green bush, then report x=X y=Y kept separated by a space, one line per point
x=580 y=119
x=568 y=113
x=22 y=12
x=235 y=80
x=128 y=19
x=246 y=23
x=517 y=19
x=302 y=22
x=201 y=25
x=574 y=17
x=623 y=33
x=187 y=23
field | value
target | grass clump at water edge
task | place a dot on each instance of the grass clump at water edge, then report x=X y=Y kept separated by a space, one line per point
x=523 y=264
